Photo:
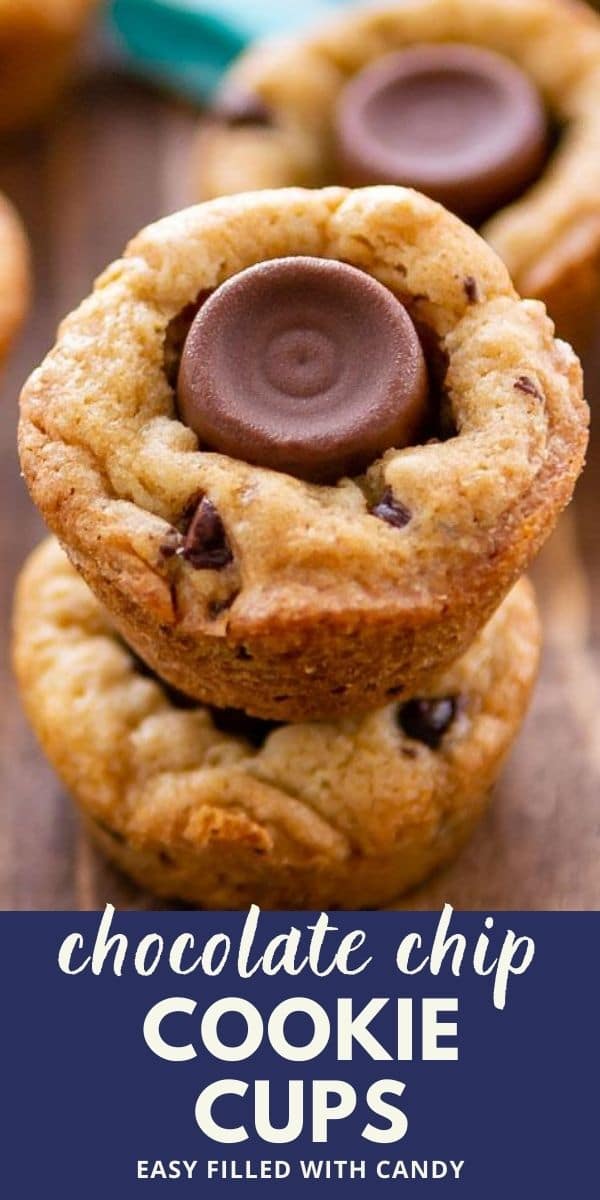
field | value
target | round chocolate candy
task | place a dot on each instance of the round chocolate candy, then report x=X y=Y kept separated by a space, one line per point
x=462 y=124
x=304 y=365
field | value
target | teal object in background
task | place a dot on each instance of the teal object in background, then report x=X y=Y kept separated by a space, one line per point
x=189 y=43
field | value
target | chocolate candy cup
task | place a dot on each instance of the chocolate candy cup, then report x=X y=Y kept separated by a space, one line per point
x=459 y=123
x=305 y=365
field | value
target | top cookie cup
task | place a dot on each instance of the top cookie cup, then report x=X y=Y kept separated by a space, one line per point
x=246 y=586
x=274 y=125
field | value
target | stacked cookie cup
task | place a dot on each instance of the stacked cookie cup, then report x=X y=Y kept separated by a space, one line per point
x=298 y=448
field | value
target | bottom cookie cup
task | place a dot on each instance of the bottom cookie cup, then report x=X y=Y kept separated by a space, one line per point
x=220 y=810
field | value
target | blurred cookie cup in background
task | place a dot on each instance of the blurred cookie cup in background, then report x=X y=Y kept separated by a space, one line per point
x=15 y=281
x=38 y=41
x=491 y=106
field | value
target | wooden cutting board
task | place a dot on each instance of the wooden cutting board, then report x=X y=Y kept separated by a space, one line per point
x=116 y=158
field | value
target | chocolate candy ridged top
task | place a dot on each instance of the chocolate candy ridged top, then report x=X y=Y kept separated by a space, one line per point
x=304 y=365
x=460 y=123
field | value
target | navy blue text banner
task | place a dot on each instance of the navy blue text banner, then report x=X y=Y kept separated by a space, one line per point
x=199 y=1054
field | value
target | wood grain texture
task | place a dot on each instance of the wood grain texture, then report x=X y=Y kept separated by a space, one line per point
x=115 y=158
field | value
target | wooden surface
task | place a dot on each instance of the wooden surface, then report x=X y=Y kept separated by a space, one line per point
x=113 y=159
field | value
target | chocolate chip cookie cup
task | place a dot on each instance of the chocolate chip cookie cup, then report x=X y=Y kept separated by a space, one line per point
x=14 y=275
x=187 y=440
x=219 y=810
x=38 y=40
x=491 y=107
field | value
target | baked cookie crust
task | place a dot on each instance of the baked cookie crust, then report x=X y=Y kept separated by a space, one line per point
x=346 y=814
x=324 y=609
x=549 y=238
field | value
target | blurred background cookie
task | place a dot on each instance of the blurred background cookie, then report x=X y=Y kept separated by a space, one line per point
x=38 y=39
x=491 y=107
x=14 y=275
x=220 y=810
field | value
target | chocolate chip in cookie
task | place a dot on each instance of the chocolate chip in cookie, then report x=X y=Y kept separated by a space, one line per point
x=176 y=333
x=391 y=510
x=205 y=545
x=526 y=385
x=471 y=289
x=171 y=544
x=239 y=724
x=427 y=720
